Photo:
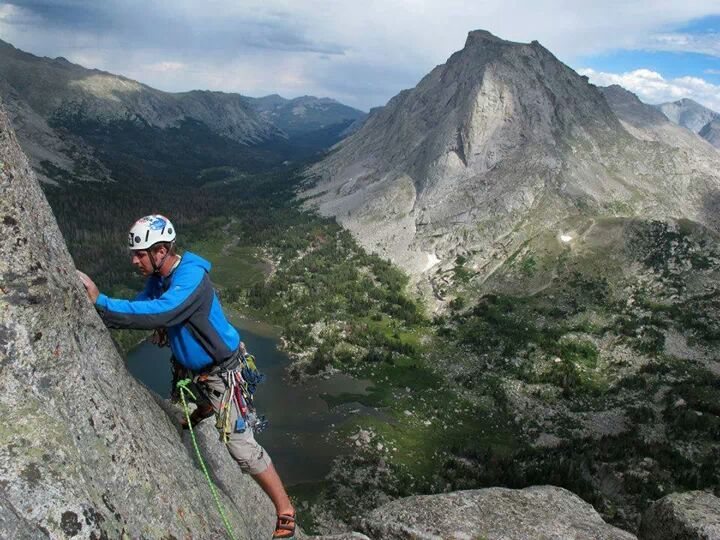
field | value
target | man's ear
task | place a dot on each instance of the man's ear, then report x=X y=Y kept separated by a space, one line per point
x=161 y=251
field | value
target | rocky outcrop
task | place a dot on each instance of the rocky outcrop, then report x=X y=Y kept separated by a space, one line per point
x=497 y=145
x=85 y=450
x=495 y=513
x=694 y=515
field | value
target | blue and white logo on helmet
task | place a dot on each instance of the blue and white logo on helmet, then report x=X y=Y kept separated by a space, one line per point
x=158 y=223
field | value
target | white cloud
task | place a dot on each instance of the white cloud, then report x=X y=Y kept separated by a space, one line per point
x=166 y=67
x=651 y=87
x=358 y=52
x=706 y=43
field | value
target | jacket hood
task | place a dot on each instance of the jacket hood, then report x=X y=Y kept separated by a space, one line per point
x=191 y=259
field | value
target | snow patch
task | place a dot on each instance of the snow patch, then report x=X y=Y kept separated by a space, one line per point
x=432 y=260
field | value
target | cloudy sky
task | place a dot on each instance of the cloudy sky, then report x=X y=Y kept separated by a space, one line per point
x=363 y=53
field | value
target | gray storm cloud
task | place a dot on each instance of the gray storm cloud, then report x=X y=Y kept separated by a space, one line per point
x=359 y=53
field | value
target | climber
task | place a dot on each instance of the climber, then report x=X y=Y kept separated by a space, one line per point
x=178 y=296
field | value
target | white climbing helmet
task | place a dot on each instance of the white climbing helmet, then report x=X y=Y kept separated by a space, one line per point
x=149 y=230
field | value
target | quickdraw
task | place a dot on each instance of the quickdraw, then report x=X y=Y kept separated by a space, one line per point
x=240 y=385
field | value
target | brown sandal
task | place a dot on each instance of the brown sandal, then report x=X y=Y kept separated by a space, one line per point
x=285 y=527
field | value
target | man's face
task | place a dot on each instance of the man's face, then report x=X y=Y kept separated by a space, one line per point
x=140 y=259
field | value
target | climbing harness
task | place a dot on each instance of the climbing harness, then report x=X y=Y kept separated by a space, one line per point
x=183 y=387
x=240 y=386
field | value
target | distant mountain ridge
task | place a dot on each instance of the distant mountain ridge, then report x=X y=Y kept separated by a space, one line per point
x=499 y=143
x=57 y=88
x=306 y=113
x=695 y=117
x=688 y=113
x=72 y=122
x=648 y=123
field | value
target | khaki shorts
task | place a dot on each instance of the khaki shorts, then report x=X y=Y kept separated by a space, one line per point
x=252 y=458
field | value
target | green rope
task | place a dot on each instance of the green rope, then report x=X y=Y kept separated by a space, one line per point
x=183 y=387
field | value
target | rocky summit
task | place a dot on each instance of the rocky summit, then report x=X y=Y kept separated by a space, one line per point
x=499 y=144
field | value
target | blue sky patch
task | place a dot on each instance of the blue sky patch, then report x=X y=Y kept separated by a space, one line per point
x=709 y=24
x=670 y=65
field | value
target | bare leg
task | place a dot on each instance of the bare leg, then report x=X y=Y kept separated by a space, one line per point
x=271 y=484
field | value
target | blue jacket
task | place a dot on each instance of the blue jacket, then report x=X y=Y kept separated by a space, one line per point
x=186 y=304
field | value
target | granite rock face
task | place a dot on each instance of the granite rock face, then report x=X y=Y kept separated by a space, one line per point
x=694 y=515
x=85 y=450
x=499 y=144
x=540 y=512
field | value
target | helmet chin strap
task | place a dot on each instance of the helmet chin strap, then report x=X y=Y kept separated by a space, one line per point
x=156 y=268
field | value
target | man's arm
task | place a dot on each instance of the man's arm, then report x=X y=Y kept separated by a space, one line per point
x=94 y=292
x=173 y=307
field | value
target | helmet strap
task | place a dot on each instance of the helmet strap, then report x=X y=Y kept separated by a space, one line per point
x=156 y=268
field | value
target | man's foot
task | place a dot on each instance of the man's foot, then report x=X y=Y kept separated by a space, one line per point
x=198 y=415
x=285 y=527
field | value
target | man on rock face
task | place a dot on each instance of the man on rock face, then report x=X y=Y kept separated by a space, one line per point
x=178 y=296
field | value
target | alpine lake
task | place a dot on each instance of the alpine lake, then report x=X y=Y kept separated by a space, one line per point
x=301 y=435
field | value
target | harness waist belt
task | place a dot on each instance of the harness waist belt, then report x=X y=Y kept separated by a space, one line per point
x=226 y=365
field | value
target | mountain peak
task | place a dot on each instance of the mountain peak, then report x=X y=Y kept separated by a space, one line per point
x=687 y=101
x=482 y=36
x=457 y=137
x=619 y=89
x=500 y=141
